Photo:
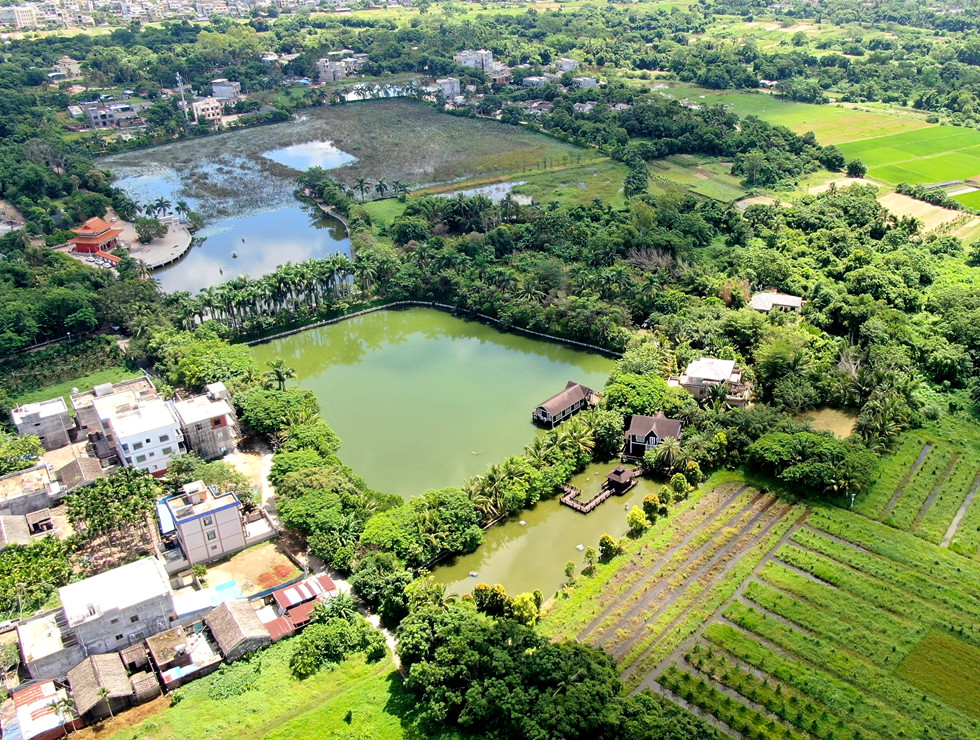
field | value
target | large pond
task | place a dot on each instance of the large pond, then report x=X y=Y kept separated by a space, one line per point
x=253 y=221
x=422 y=400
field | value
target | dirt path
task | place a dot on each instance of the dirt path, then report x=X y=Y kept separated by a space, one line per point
x=954 y=525
x=905 y=481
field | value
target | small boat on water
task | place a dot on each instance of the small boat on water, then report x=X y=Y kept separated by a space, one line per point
x=473 y=574
x=234 y=255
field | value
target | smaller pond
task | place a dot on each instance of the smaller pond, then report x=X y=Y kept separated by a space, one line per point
x=837 y=421
x=496 y=192
x=255 y=245
x=533 y=556
x=311 y=154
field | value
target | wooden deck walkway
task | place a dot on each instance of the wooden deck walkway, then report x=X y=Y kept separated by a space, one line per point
x=571 y=494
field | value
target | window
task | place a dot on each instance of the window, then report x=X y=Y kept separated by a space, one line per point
x=125 y=447
x=167 y=451
x=134 y=618
x=217 y=422
x=153 y=454
x=214 y=547
x=148 y=441
x=207 y=521
x=118 y=638
x=113 y=621
x=164 y=437
x=141 y=458
x=211 y=535
x=137 y=445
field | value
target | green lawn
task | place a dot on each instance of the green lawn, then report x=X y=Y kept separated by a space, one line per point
x=354 y=699
x=383 y=212
x=946 y=667
x=109 y=375
x=970 y=200
x=934 y=154
x=832 y=123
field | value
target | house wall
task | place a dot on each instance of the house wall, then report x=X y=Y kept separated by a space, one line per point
x=52 y=429
x=212 y=535
x=55 y=665
x=249 y=645
x=117 y=629
x=211 y=439
x=151 y=450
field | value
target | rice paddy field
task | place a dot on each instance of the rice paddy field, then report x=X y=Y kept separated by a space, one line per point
x=774 y=618
x=928 y=155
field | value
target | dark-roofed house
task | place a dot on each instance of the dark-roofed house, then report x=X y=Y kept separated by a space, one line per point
x=97 y=672
x=237 y=629
x=556 y=409
x=646 y=432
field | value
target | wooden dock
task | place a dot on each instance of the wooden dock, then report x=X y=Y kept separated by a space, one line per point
x=571 y=495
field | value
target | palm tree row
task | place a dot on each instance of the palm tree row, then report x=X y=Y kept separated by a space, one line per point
x=381 y=187
x=293 y=287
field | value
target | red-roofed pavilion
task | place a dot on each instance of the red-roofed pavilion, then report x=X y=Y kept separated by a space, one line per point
x=96 y=235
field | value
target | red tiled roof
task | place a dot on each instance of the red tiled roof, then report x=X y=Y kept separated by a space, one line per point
x=93 y=227
x=280 y=628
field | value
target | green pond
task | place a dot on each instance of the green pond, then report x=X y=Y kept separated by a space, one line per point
x=422 y=399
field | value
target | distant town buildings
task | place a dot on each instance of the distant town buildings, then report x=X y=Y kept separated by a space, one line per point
x=585 y=81
x=567 y=65
x=19 y=16
x=477 y=58
x=329 y=70
x=534 y=81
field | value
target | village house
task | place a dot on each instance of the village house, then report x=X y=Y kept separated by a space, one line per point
x=567 y=65
x=95 y=235
x=585 y=81
x=476 y=58
x=296 y=602
x=207 y=109
x=222 y=89
x=30 y=490
x=49 y=420
x=143 y=434
x=83 y=402
x=559 y=407
x=106 y=612
x=769 y=300
x=330 y=71
x=69 y=68
x=180 y=655
x=237 y=629
x=702 y=375
x=92 y=676
x=646 y=432
x=534 y=81
x=37 y=711
x=112 y=115
x=208 y=524
x=449 y=87
x=208 y=422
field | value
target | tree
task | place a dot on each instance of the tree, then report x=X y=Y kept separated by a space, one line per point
x=381 y=187
x=148 y=229
x=361 y=185
x=18 y=453
x=591 y=558
x=279 y=373
x=637 y=520
x=856 y=168
x=104 y=696
x=608 y=547
x=123 y=498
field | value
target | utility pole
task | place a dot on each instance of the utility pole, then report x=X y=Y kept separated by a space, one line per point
x=183 y=103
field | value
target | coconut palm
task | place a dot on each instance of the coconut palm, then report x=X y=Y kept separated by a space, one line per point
x=279 y=373
x=667 y=455
x=104 y=695
x=400 y=188
x=381 y=187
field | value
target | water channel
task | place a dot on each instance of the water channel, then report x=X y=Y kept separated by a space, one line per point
x=422 y=400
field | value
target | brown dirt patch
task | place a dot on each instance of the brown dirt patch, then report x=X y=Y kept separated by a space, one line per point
x=129 y=718
x=840 y=182
x=258 y=568
x=931 y=216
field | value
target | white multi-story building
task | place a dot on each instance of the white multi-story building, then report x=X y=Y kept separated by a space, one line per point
x=145 y=434
x=585 y=81
x=567 y=65
x=209 y=523
x=49 y=420
x=19 y=16
x=449 y=86
x=476 y=58
x=223 y=89
x=330 y=71
x=208 y=109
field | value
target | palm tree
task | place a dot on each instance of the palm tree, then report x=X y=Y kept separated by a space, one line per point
x=65 y=708
x=400 y=187
x=668 y=455
x=182 y=208
x=361 y=184
x=104 y=695
x=381 y=187
x=279 y=373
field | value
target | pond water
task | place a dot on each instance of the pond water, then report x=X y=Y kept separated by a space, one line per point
x=248 y=211
x=422 y=399
x=496 y=192
x=533 y=555
x=262 y=241
x=311 y=154
x=837 y=421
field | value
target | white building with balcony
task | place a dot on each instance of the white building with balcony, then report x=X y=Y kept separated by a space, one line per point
x=145 y=434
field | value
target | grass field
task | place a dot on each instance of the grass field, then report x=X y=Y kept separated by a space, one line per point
x=64 y=389
x=945 y=666
x=970 y=200
x=354 y=699
x=779 y=620
x=934 y=154
x=832 y=124
x=383 y=212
